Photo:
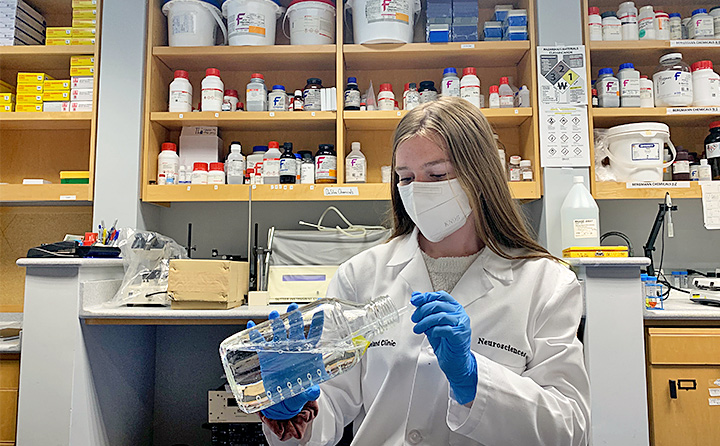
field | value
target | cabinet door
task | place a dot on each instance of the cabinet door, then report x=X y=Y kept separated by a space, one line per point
x=9 y=380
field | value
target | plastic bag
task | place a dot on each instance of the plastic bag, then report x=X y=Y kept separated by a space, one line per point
x=603 y=172
x=146 y=258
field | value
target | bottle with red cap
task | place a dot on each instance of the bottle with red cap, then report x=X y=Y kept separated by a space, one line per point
x=595 y=23
x=256 y=94
x=168 y=164
x=271 y=164
x=386 y=97
x=200 y=173
x=230 y=100
x=216 y=175
x=212 y=91
x=706 y=84
x=470 y=87
x=180 y=93
x=494 y=100
x=507 y=96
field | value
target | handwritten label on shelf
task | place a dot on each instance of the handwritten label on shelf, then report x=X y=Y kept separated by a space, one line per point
x=714 y=401
x=340 y=191
x=679 y=43
x=657 y=184
x=692 y=110
x=68 y=197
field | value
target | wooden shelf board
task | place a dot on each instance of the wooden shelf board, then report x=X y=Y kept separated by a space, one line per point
x=317 y=192
x=240 y=58
x=40 y=57
x=434 y=55
x=196 y=192
x=525 y=190
x=28 y=193
x=251 y=121
x=388 y=120
x=607 y=117
x=45 y=120
x=604 y=190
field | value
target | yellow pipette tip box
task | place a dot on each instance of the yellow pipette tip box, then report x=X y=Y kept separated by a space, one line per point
x=595 y=251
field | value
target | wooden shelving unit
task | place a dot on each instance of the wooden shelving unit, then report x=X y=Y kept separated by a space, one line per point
x=291 y=66
x=686 y=129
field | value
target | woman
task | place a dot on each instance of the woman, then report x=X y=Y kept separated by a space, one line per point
x=490 y=354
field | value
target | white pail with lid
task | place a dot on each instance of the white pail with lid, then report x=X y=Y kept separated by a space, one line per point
x=193 y=22
x=383 y=21
x=636 y=151
x=251 y=22
x=312 y=22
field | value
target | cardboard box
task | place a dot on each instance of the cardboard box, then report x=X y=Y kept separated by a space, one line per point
x=84 y=4
x=82 y=41
x=54 y=96
x=28 y=107
x=82 y=82
x=7 y=107
x=7 y=98
x=56 y=106
x=84 y=13
x=57 y=32
x=82 y=71
x=595 y=251
x=200 y=144
x=207 y=284
x=30 y=88
x=84 y=23
x=32 y=78
x=82 y=61
x=29 y=98
x=57 y=85
x=81 y=94
x=81 y=106
x=83 y=32
x=52 y=41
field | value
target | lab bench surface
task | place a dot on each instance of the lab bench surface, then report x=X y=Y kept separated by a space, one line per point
x=680 y=309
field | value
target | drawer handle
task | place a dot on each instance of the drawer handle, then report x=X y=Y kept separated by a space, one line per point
x=673 y=390
x=687 y=384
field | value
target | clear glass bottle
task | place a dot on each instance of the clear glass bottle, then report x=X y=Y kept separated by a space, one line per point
x=673 y=82
x=526 y=173
x=412 y=98
x=514 y=172
x=327 y=338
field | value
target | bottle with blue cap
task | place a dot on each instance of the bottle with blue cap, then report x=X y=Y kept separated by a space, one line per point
x=277 y=99
x=608 y=89
x=629 y=79
x=675 y=26
x=352 y=95
x=701 y=26
x=450 y=83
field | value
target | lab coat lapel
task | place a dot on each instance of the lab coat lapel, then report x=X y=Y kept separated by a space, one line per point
x=414 y=271
x=476 y=282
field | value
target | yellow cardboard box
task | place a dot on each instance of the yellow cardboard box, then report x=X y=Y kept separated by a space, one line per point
x=54 y=41
x=7 y=98
x=82 y=41
x=83 y=32
x=6 y=88
x=82 y=71
x=84 y=4
x=30 y=88
x=28 y=107
x=52 y=96
x=595 y=251
x=7 y=107
x=82 y=61
x=28 y=98
x=84 y=23
x=57 y=85
x=207 y=284
x=57 y=32
x=32 y=78
x=84 y=13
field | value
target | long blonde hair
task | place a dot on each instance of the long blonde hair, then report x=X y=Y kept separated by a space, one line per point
x=463 y=131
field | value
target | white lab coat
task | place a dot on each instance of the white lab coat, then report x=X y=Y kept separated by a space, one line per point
x=532 y=385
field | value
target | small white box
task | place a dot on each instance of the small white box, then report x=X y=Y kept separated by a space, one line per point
x=81 y=106
x=56 y=106
x=200 y=144
x=81 y=94
x=82 y=82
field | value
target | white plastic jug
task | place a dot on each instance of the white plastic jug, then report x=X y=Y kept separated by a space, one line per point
x=636 y=151
x=383 y=21
x=312 y=22
x=251 y=22
x=193 y=22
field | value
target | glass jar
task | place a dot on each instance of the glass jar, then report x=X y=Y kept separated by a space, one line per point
x=428 y=92
x=514 y=172
x=312 y=95
x=326 y=164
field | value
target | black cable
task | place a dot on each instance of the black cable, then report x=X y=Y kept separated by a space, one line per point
x=622 y=236
x=694 y=271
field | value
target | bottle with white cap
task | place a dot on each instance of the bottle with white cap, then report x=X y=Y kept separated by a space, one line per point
x=579 y=217
x=355 y=165
x=704 y=171
x=627 y=13
x=646 y=23
x=235 y=164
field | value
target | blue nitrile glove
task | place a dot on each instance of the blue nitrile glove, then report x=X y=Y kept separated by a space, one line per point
x=447 y=327
x=280 y=371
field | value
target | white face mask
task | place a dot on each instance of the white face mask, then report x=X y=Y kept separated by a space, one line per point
x=438 y=208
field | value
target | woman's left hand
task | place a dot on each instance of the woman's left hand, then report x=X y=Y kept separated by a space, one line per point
x=447 y=327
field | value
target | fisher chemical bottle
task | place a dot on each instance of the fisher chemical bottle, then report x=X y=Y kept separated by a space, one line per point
x=352 y=95
x=307 y=167
x=256 y=94
x=335 y=335
x=662 y=25
x=627 y=13
x=673 y=82
x=428 y=92
x=412 y=97
x=595 y=23
x=386 y=97
x=712 y=149
x=675 y=26
x=200 y=173
x=470 y=87
x=298 y=101
x=288 y=165
x=255 y=157
x=235 y=164
x=629 y=79
x=271 y=164
x=611 y=26
x=647 y=99
x=450 y=83
x=706 y=84
x=355 y=165
x=168 y=164
x=230 y=100
x=312 y=95
x=277 y=99
x=524 y=95
x=180 y=93
x=579 y=217
x=494 y=99
x=715 y=13
x=507 y=98
x=608 y=88
x=216 y=175
x=212 y=91
x=701 y=25
x=326 y=164
x=646 y=23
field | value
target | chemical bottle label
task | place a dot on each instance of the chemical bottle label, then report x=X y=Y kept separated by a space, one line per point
x=470 y=91
x=672 y=84
x=212 y=97
x=388 y=11
x=312 y=99
x=307 y=173
x=681 y=167
x=630 y=88
x=309 y=23
x=184 y=23
x=179 y=99
x=507 y=101
x=271 y=168
x=585 y=228
x=277 y=102
x=326 y=167
x=515 y=174
x=236 y=168
x=288 y=167
x=355 y=170
x=451 y=87
x=712 y=150
x=645 y=151
x=703 y=28
x=246 y=23
x=254 y=95
x=386 y=104
x=352 y=98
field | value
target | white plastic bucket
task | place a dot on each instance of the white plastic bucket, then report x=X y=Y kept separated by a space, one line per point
x=251 y=22
x=193 y=22
x=636 y=151
x=312 y=22
x=383 y=21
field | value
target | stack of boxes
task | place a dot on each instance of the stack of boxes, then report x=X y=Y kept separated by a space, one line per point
x=82 y=70
x=509 y=24
x=56 y=96
x=7 y=97
x=20 y=24
x=452 y=21
x=74 y=177
x=30 y=91
x=84 y=26
x=439 y=20
x=465 y=21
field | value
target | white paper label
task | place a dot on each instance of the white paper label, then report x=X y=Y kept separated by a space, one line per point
x=247 y=23
x=68 y=197
x=645 y=151
x=655 y=184
x=585 y=228
x=340 y=191
x=326 y=167
x=674 y=43
x=712 y=150
x=467 y=45
x=388 y=11
x=714 y=392
x=714 y=401
x=184 y=23
x=692 y=110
